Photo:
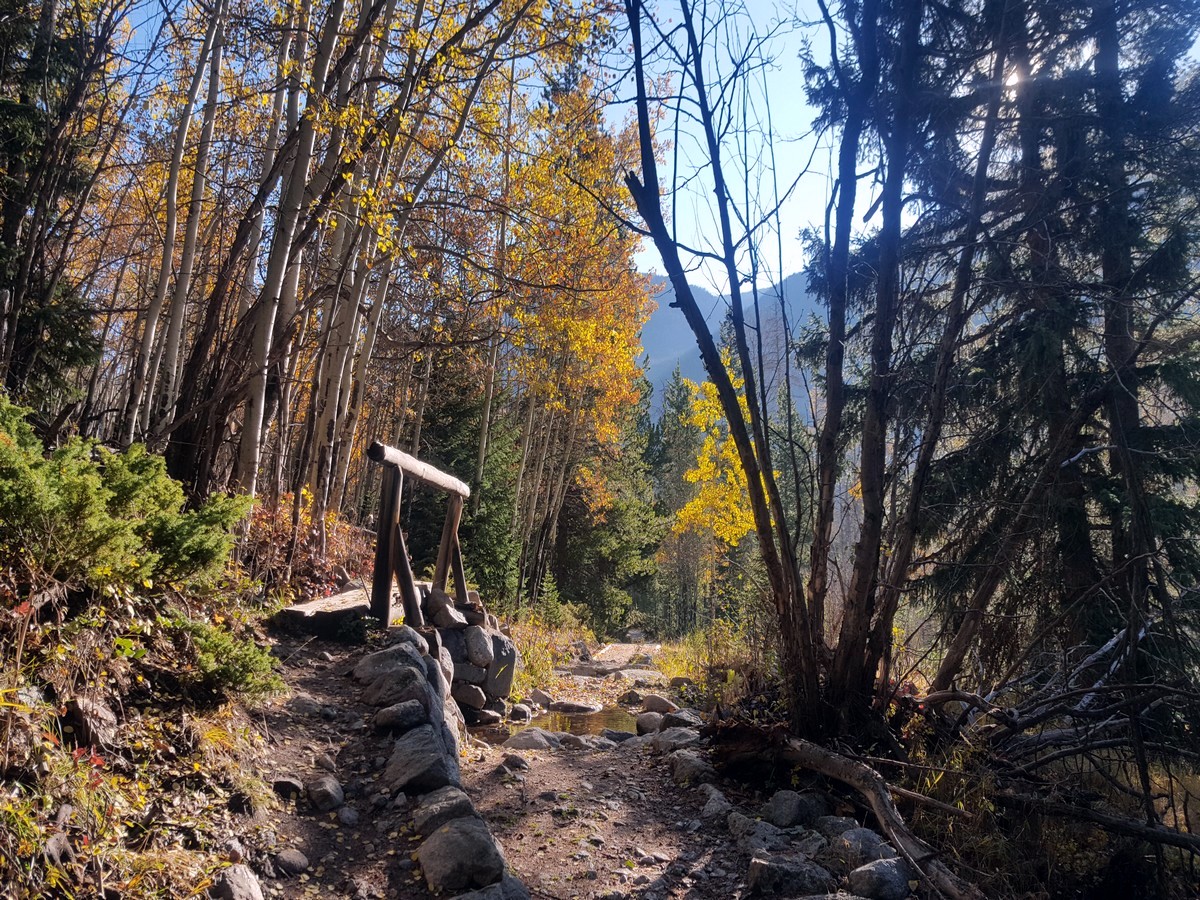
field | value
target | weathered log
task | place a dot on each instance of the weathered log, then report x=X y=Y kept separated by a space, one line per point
x=874 y=789
x=423 y=472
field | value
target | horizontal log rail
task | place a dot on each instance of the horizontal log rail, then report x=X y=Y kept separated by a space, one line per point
x=391 y=554
x=423 y=472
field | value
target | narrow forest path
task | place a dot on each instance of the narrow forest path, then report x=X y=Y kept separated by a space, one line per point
x=580 y=810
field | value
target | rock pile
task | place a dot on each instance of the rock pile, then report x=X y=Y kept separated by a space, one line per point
x=479 y=658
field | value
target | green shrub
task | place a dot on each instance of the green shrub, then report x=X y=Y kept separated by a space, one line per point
x=227 y=664
x=87 y=517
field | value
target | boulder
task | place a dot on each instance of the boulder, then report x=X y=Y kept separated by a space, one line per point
x=291 y=862
x=396 y=687
x=674 y=738
x=630 y=698
x=304 y=705
x=236 y=883
x=503 y=667
x=401 y=717
x=585 y=742
x=648 y=722
x=788 y=808
x=456 y=643
x=288 y=787
x=388 y=662
x=406 y=634
x=682 y=681
x=440 y=807
x=482 y=716
x=883 y=879
x=532 y=739
x=681 y=718
x=716 y=806
x=617 y=737
x=469 y=673
x=658 y=703
x=325 y=793
x=479 y=647
x=420 y=762
x=834 y=826
x=540 y=697
x=753 y=836
x=439 y=608
x=461 y=854
x=859 y=846
x=787 y=875
x=689 y=767
x=571 y=707
x=508 y=888
x=326 y=616
x=469 y=695
x=520 y=713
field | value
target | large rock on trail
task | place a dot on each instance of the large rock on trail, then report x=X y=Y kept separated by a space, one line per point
x=503 y=667
x=236 y=883
x=461 y=854
x=787 y=875
x=420 y=763
x=884 y=879
x=788 y=808
x=439 y=807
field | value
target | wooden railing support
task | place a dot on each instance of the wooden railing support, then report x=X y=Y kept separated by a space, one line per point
x=391 y=554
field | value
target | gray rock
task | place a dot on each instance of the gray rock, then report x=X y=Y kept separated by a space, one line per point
x=689 y=767
x=617 y=737
x=509 y=888
x=682 y=681
x=585 y=742
x=479 y=646
x=460 y=854
x=236 y=883
x=469 y=673
x=520 y=713
x=348 y=816
x=788 y=808
x=834 y=826
x=94 y=723
x=482 y=716
x=859 y=846
x=439 y=807
x=445 y=672
x=288 y=787
x=648 y=722
x=450 y=617
x=658 y=703
x=788 y=875
x=717 y=806
x=304 y=705
x=326 y=762
x=630 y=698
x=408 y=635
x=674 y=739
x=325 y=793
x=291 y=861
x=496 y=705
x=681 y=718
x=401 y=717
x=469 y=695
x=540 y=697
x=572 y=707
x=753 y=836
x=532 y=739
x=503 y=667
x=637 y=743
x=420 y=762
x=388 y=662
x=883 y=879
x=456 y=643
x=395 y=687
x=515 y=761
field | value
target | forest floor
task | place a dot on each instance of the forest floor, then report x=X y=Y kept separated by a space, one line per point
x=575 y=823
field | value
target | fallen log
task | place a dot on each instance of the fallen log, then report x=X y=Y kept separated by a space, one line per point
x=874 y=789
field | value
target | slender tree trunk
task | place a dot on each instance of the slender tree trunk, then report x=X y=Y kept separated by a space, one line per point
x=138 y=385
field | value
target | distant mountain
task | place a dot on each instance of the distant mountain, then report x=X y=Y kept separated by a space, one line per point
x=669 y=342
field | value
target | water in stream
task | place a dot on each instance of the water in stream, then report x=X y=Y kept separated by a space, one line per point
x=613 y=717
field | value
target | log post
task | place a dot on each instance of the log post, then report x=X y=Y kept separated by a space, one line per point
x=386 y=532
x=449 y=539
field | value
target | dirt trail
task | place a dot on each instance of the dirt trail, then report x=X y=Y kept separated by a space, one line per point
x=573 y=824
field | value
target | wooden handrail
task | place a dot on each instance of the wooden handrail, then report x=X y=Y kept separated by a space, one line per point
x=423 y=472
